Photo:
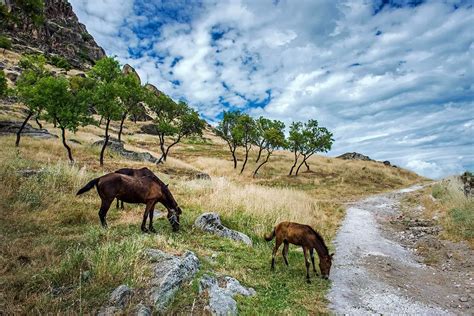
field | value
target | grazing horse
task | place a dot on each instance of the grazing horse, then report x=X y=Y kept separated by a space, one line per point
x=306 y=237
x=142 y=172
x=147 y=190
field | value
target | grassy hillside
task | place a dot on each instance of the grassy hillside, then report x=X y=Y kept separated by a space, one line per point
x=57 y=259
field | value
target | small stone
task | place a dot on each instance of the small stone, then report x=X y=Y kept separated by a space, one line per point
x=211 y=222
x=463 y=299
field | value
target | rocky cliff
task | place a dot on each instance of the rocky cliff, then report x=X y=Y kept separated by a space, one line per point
x=58 y=32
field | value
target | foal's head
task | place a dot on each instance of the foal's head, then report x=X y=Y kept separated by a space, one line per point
x=325 y=263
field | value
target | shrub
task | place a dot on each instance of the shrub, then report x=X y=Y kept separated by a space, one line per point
x=59 y=62
x=3 y=84
x=462 y=219
x=5 y=42
x=437 y=191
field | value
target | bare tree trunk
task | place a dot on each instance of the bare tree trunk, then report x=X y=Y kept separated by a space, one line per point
x=162 y=148
x=298 y=170
x=121 y=127
x=247 y=149
x=63 y=136
x=100 y=122
x=307 y=166
x=106 y=140
x=294 y=164
x=18 y=134
x=260 y=149
x=38 y=122
x=264 y=162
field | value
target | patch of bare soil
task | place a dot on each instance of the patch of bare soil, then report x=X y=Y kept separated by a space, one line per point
x=389 y=263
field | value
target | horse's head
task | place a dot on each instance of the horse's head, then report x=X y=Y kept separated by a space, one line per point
x=325 y=263
x=173 y=217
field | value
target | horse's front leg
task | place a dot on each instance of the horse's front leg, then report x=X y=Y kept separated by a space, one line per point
x=150 y=227
x=145 y=216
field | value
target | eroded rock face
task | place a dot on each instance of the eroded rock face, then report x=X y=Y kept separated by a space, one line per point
x=211 y=222
x=169 y=273
x=153 y=89
x=61 y=34
x=118 y=147
x=467 y=179
x=221 y=294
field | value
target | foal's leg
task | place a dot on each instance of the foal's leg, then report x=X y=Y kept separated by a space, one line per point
x=150 y=227
x=284 y=252
x=104 y=207
x=311 y=252
x=121 y=203
x=275 y=249
x=145 y=216
x=306 y=261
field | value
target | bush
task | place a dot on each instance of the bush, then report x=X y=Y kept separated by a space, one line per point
x=59 y=62
x=437 y=191
x=462 y=219
x=3 y=84
x=5 y=42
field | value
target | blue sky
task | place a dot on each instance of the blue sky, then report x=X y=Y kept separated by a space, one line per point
x=392 y=79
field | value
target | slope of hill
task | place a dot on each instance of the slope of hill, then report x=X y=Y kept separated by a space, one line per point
x=57 y=259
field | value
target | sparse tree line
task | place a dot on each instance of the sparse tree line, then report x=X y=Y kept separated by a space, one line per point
x=305 y=139
x=69 y=103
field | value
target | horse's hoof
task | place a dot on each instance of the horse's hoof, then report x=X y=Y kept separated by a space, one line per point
x=144 y=230
x=152 y=230
x=308 y=281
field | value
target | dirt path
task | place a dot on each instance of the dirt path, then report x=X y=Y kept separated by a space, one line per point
x=374 y=274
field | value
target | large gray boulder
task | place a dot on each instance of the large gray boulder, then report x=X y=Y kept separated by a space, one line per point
x=211 y=222
x=12 y=127
x=118 y=147
x=354 y=156
x=119 y=299
x=169 y=273
x=221 y=294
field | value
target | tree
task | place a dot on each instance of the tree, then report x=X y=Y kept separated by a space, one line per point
x=226 y=130
x=33 y=70
x=3 y=84
x=131 y=94
x=295 y=140
x=245 y=134
x=310 y=139
x=173 y=120
x=67 y=107
x=106 y=93
x=273 y=137
x=261 y=125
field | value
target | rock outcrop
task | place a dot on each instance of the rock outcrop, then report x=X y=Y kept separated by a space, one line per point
x=11 y=127
x=221 y=294
x=127 y=69
x=169 y=273
x=354 y=156
x=119 y=300
x=467 y=179
x=60 y=33
x=118 y=147
x=153 y=89
x=211 y=222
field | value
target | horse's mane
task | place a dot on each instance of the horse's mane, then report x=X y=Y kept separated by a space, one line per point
x=320 y=239
x=163 y=186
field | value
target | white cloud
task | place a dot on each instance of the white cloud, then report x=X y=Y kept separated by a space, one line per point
x=397 y=85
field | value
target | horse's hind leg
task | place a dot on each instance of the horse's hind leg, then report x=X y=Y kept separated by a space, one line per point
x=284 y=252
x=145 y=216
x=311 y=252
x=150 y=227
x=306 y=261
x=121 y=205
x=275 y=249
x=104 y=207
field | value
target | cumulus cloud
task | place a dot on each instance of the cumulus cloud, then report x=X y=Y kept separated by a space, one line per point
x=392 y=80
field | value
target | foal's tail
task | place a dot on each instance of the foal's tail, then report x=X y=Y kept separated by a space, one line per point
x=88 y=186
x=270 y=236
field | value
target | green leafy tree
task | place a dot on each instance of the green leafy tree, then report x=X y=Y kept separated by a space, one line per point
x=131 y=94
x=66 y=107
x=3 y=84
x=106 y=94
x=245 y=131
x=295 y=140
x=32 y=71
x=261 y=125
x=272 y=136
x=308 y=139
x=32 y=9
x=226 y=129
x=173 y=121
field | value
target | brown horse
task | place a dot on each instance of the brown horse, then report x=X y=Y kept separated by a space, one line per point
x=147 y=190
x=142 y=172
x=306 y=237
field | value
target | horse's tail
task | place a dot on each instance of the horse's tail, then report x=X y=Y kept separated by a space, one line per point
x=270 y=236
x=88 y=186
